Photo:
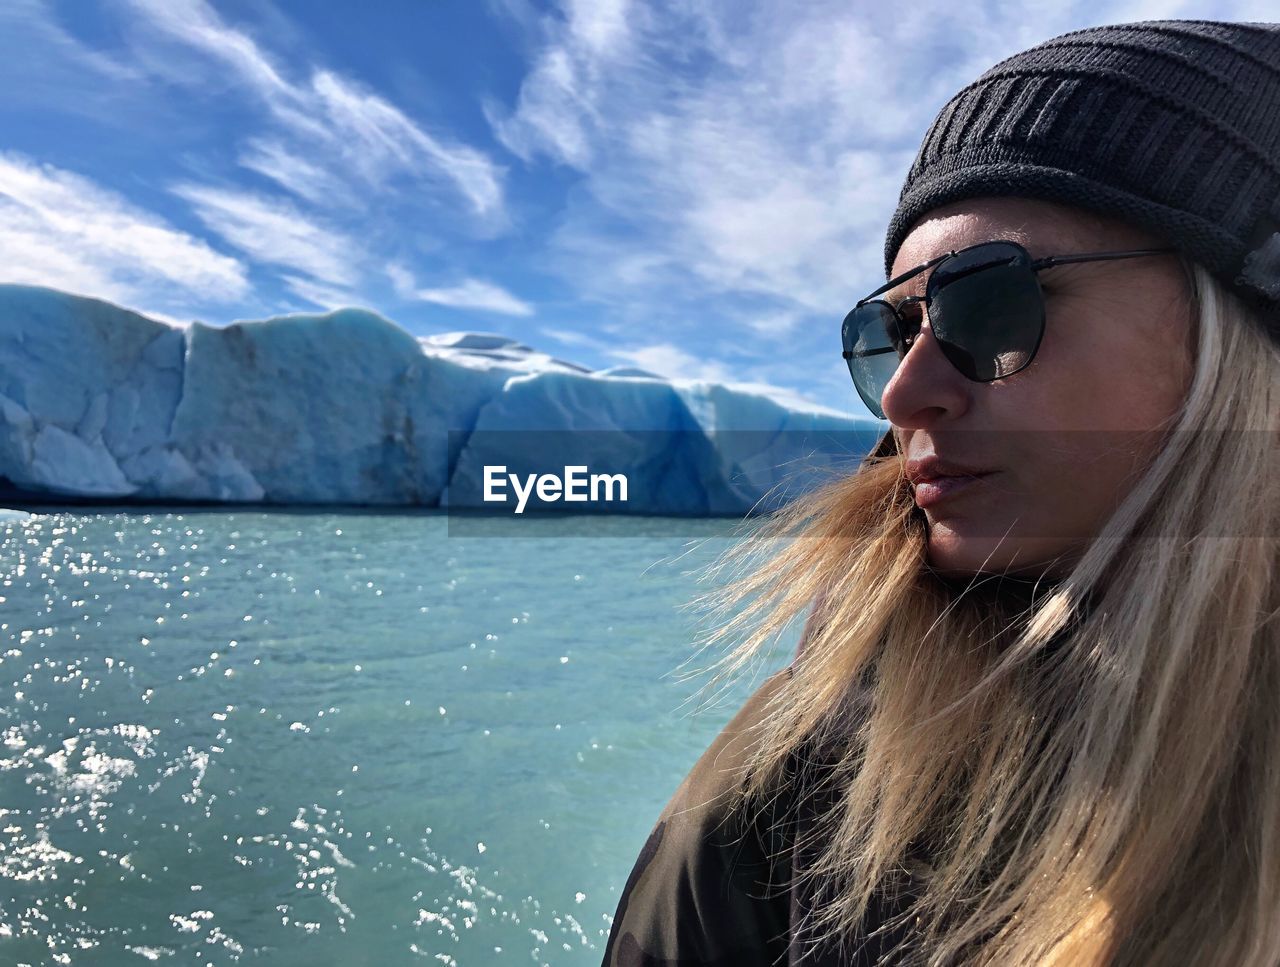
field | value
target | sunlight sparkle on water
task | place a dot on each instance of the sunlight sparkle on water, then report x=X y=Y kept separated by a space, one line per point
x=241 y=736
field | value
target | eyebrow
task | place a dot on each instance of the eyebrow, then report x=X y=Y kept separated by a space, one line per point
x=1037 y=264
x=913 y=290
x=906 y=276
x=1010 y=235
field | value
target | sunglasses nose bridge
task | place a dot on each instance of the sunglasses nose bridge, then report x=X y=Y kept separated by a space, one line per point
x=910 y=326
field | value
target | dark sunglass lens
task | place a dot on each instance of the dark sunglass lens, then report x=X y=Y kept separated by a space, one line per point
x=873 y=349
x=986 y=310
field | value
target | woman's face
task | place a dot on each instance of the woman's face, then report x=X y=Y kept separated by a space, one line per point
x=1063 y=440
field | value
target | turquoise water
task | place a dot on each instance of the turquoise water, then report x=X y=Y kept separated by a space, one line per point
x=336 y=738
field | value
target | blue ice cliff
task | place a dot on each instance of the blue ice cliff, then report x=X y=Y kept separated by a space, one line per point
x=100 y=402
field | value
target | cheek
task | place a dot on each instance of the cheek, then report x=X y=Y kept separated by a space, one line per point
x=1095 y=371
x=1052 y=497
x=1085 y=421
x=1069 y=483
x=1071 y=434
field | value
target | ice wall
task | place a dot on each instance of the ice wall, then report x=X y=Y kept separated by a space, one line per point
x=100 y=402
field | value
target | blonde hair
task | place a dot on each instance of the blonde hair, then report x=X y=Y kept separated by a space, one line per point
x=1093 y=764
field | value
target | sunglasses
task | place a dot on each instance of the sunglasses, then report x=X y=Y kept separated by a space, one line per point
x=986 y=310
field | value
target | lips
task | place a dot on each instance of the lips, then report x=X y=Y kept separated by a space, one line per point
x=934 y=479
x=921 y=469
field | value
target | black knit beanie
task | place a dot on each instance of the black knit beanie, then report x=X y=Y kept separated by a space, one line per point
x=1171 y=124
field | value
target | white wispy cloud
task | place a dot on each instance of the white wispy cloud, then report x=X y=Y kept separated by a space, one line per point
x=356 y=131
x=574 y=337
x=39 y=57
x=319 y=294
x=551 y=116
x=769 y=168
x=669 y=361
x=63 y=230
x=673 y=362
x=556 y=113
x=602 y=26
x=477 y=294
x=468 y=294
x=778 y=323
x=380 y=140
x=275 y=232
x=294 y=173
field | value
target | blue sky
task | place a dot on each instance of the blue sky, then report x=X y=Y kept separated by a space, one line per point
x=697 y=187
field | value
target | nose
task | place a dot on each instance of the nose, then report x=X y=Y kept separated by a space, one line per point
x=925 y=389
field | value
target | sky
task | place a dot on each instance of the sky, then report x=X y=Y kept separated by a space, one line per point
x=699 y=188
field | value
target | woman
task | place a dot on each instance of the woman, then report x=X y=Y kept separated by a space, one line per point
x=1035 y=716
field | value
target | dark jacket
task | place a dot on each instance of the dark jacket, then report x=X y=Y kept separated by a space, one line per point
x=711 y=889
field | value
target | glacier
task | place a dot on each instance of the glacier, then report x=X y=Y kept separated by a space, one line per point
x=99 y=403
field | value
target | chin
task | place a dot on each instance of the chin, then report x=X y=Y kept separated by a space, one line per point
x=954 y=553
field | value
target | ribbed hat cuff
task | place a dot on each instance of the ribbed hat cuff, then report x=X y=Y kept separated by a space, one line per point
x=1204 y=241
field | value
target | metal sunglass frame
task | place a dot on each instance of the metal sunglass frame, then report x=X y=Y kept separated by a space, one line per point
x=1035 y=265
